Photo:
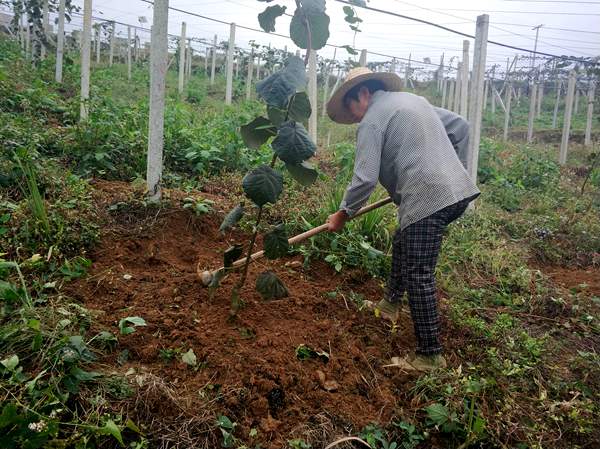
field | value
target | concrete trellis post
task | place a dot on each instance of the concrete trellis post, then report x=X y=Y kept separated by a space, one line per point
x=464 y=78
x=450 y=95
x=457 y=87
x=136 y=49
x=60 y=41
x=556 y=104
x=532 y=106
x=507 y=112
x=129 y=53
x=392 y=65
x=86 y=50
x=158 y=71
x=249 y=76
x=190 y=59
x=45 y=27
x=230 y=49
x=444 y=92
x=207 y=52
x=493 y=98
x=181 y=59
x=590 y=111
x=312 y=94
x=485 y=93
x=213 y=66
x=98 y=44
x=564 y=144
x=258 y=68
x=476 y=100
x=363 y=58
x=540 y=97
x=576 y=108
x=111 y=51
x=407 y=73
x=327 y=75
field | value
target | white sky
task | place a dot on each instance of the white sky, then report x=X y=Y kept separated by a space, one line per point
x=392 y=35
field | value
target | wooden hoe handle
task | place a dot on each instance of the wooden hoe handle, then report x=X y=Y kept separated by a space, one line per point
x=308 y=234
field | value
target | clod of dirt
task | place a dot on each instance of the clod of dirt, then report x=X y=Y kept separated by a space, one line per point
x=276 y=398
x=327 y=385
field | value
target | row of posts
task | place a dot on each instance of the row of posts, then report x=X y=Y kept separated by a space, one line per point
x=464 y=97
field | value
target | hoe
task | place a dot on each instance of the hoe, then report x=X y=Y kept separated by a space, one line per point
x=207 y=276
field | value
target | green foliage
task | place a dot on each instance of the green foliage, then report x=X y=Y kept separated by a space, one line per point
x=311 y=20
x=232 y=218
x=292 y=144
x=304 y=352
x=276 y=242
x=270 y=286
x=128 y=324
x=267 y=18
x=263 y=185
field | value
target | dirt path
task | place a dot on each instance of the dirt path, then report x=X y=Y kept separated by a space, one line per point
x=248 y=369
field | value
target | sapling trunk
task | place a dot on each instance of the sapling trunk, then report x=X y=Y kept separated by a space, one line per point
x=235 y=300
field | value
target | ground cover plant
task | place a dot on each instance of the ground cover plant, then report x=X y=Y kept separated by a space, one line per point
x=108 y=337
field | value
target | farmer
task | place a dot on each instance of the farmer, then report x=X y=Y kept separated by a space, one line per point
x=414 y=150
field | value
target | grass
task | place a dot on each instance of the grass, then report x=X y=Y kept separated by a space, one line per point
x=523 y=350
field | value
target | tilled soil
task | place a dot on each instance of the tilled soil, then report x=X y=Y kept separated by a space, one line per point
x=247 y=368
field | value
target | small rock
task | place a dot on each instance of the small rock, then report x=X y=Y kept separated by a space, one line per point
x=327 y=385
x=127 y=277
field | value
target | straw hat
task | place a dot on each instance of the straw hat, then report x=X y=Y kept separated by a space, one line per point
x=336 y=109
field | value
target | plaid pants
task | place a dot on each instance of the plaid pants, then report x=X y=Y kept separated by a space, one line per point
x=414 y=258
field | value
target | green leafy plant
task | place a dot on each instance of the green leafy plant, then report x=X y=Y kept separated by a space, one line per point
x=287 y=107
x=227 y=428
x=128 y=324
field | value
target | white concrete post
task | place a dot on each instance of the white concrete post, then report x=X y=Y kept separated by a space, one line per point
x=407 y=74
x=328 y=72
x=182 y=59
x=556 y=104
x=258 y=68
x=190 y=59
x=485 y=93
x=564 y=144
x=540 y=97
x=450 y=95
x=458 y=85
x=392 y=65
x=464 y=78
x=312 y=94
x=136 y=49
x=111 y=53
x=45 y=28
x=532 y=105
x=230 y=49
x=129 y=53
x=158 y=62
x=476 y=100
x=444 y=92
x=249 y=76
x=60 y=41
x=86 y=50
x=206 y=61
x=576 y=109
x=493 y=98
x=98 y=44
x=214 y=61
x=507 y=112
x=28 y=52
x=363 y=58
x=590 y=111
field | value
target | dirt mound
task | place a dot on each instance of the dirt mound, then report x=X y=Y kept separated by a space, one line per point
x=247 y=369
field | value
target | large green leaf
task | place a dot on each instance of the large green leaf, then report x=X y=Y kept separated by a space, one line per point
x=276 y=115
x=299 y=108
x=276 y=242
x=266 y=19
x=263 y=185
x=318 y=22
x=292 y=144
x=304 y=173
x=232 y=218
x=257 y=132
x=270 y=286
x=438 y=413
x=232 y=254
x=277 y=89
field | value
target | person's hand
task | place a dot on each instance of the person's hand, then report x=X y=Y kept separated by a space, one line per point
x=337 y=221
